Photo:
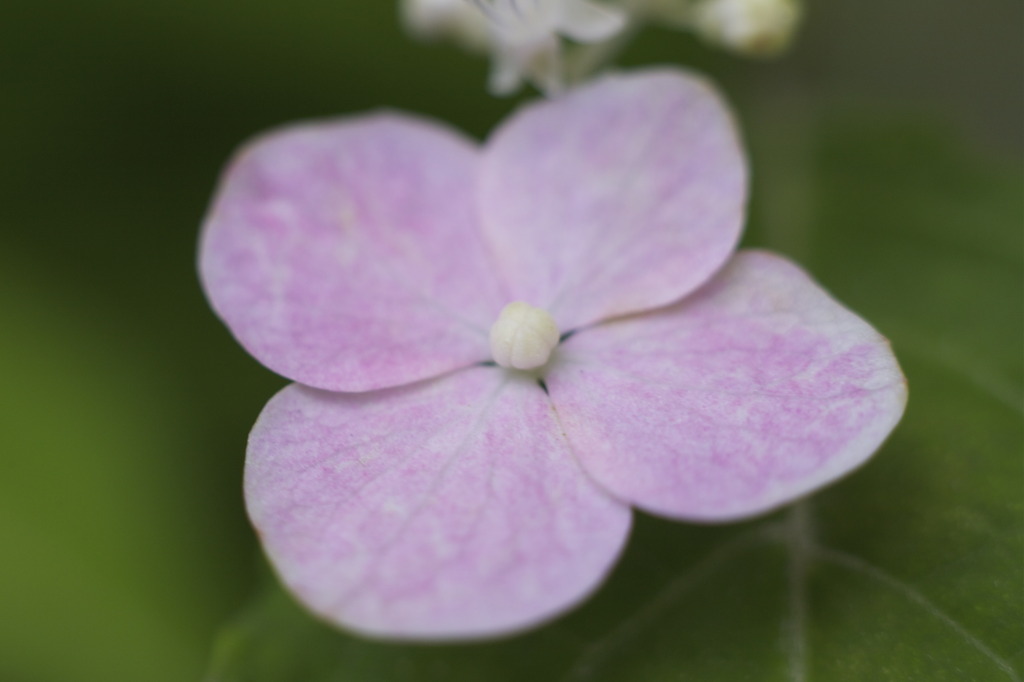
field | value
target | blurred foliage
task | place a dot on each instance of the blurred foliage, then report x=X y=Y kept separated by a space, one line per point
x=122 y=430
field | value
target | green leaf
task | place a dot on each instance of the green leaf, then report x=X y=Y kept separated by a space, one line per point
x=99 y=580
x=909 y=569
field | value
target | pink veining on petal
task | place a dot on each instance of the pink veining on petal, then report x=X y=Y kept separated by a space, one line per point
x=448 y=509
x=346 y=254
x=621 y=196
x=757 y=389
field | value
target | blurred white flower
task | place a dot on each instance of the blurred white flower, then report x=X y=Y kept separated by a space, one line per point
x=457 y=20
x=526 y=33
x=523 y=36
x=750 y=27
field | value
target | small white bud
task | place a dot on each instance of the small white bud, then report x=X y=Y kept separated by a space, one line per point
x=751 y=27
x=523 y=337
x=458 y=20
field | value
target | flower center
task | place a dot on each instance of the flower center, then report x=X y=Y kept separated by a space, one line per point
x=523 y=337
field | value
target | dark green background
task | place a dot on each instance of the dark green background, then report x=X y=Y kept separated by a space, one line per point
x=886 y=149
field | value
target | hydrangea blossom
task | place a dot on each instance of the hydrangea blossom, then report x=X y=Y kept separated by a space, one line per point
x=500 y=350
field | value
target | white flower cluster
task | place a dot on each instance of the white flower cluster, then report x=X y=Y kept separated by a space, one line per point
x=524 y=37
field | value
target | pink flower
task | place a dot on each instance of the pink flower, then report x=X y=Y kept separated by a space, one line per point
x=409 y=487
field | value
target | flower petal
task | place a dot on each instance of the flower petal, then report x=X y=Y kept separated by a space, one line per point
x=346 y=254
x=588 y=22
x=754 y=391
x=450 y=508
x=618 y=197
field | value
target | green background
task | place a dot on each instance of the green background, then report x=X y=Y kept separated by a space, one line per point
x=887 y=158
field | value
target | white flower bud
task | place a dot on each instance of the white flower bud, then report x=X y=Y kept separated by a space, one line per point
x=523 y=337
x=458 y=20
x=751 y=27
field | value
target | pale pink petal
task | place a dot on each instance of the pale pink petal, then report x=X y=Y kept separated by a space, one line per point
x=448 y=509
x=617 y=197
x=346 y=254
x=757 y=389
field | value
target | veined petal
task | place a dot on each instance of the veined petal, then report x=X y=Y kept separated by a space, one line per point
x=346 y=254
x=620 y=196
x=448 y=509
x=757 y=389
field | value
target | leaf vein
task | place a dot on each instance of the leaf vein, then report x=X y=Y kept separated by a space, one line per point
x=592 y=656
x=863 y=567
